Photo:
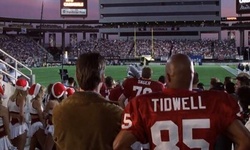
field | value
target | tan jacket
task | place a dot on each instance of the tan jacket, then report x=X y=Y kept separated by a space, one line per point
x=86 y=121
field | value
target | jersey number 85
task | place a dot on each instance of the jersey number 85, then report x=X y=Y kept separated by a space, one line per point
x=188 y=125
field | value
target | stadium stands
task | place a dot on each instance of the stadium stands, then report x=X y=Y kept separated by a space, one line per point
x=221 y=49
x=24 y=49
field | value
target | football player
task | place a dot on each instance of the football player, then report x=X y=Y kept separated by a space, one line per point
x=136 y=86
x=179 y=118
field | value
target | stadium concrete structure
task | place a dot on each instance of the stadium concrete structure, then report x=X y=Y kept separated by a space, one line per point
x=167 y=19
x=37 y=28
x=155 y=19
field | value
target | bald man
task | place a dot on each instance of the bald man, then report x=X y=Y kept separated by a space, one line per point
x=179 y=119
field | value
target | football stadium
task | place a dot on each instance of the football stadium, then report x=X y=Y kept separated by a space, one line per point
x=146 y=74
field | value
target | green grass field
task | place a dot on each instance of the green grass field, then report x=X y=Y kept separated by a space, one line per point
x=48 y=75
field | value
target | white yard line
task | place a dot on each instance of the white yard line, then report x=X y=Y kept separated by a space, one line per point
x=231 y=70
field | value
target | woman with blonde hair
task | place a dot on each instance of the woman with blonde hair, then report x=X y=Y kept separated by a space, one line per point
x=17 y=107
x=58 y=93
x=36 y=129
x=4 y=125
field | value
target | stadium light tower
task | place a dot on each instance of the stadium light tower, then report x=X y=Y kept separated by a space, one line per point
x=41 y=18
x=42 y=10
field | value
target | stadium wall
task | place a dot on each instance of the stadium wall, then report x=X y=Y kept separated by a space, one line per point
x=125 y=17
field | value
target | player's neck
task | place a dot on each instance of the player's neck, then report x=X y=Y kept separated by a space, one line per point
x=180 y=86
x=145 y=78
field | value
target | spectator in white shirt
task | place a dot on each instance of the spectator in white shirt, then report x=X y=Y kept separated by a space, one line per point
x=13 y=75
x=2 y=65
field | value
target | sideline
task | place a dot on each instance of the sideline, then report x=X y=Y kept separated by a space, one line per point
x=231 y=70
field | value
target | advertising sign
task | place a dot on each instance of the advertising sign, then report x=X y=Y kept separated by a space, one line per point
x=242 y=6
x=73 y=8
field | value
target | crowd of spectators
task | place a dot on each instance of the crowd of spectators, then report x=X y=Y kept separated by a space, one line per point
x=32 y=54
x=168 y=25
x=241 y=24
x=24 y=50
x=108 y=48
x=216 y=49
x=80 y=26
x=15 y=25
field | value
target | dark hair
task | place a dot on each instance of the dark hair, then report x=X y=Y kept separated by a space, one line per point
x=219 y=86
x=230 y=87
x=200 y=86
x=89 y=69
x=244 y=97
x=49 y=88
x=243 y=80
x=54 y=98
x=71 y=80
x=146 y=72
x=162 y=79
x=2 y=57
x=109 y=81
x=213 y=81
x=227 y=80
x=48 y=92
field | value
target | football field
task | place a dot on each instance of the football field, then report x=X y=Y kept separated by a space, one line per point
x=46 y=75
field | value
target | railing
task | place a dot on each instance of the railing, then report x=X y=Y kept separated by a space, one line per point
x=15 y=68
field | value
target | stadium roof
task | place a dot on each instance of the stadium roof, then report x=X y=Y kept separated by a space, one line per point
x=21 y=20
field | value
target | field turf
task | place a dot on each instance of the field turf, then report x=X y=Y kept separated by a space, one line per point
x=48 y=75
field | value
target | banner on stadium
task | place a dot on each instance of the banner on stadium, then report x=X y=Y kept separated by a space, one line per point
x=164 y=58
x=52 y=40
x=197 y=59
x=242 y=6
x=73 y=39
x=73 y=8
x=239 y=57
x=208 y=57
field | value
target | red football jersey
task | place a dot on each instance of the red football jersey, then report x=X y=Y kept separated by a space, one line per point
x=180 y=119
x=104 y=90
x=115 y=93
x=133 y=87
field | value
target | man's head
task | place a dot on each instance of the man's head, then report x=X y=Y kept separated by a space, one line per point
x=243 y=79
x=213 y=82
x=146 y=73
x=179 y=72
x=162 y=79
x=227 y=80
x=90 y=70
x=109 y=81
x=71 y=81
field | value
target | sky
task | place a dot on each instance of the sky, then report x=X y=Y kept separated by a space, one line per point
x=31 y=9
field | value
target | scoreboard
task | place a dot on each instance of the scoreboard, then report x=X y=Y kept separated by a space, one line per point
x=242 y=6
x=73 y=8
